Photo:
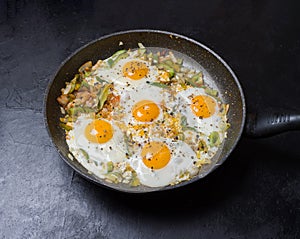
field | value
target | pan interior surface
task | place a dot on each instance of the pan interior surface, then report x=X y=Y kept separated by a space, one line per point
x=195 y=55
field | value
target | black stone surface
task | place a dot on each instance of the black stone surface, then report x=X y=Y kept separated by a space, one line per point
x=255 y=194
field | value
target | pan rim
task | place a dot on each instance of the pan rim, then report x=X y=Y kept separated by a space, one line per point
x=219 y=58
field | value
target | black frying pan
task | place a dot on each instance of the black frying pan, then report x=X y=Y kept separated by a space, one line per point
x=194 y=54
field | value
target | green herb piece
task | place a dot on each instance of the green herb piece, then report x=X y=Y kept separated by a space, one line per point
x=87 y=73
x=75 y=110
x=65 y=126
x=73 y=83
x=183 y=120
x=211 y=92
x=184 y=125
x=113 y=60
x=179 y=61
x=169 y=63
x=141 y=51
x=127 y=143
x=85 y=67
x=214 y=139
x=167 y=68
x=122 y=56
x=196 y=80
x=100 y=80
x=110 y=62
x=102 y=95
x=84 y=83
x=117 y=53
x=116 y=57
x=85 y=154
x=110 y=166
x=177 y=67
x=184 y=128
x=135 y=182
x=141 y=45
x=158 y=84
x=114 y=177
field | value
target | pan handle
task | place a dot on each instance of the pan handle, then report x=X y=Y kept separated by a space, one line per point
x=271 y=122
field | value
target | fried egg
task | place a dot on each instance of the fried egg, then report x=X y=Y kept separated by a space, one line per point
x=128 y=73
x=96 y=141
x=160 y=161
x=200 y=109
x=143 y=106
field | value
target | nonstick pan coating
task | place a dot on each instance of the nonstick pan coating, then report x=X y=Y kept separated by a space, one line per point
x=214 y=67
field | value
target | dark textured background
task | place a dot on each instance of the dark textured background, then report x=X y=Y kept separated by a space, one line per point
x=255 y=194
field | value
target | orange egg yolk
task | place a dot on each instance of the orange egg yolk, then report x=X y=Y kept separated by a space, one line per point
x=145 y=111
x=135 y=70
x=156 y=155
x=99 y=131
x=203 y=106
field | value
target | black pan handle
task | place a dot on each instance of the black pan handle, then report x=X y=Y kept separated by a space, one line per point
x=271 y=122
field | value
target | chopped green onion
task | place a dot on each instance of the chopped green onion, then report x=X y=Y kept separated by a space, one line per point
x=214 y=139
x=179 y=61
x=141 y=45
x=85 y=66
x=135 y=182
x=84 y=83
x=110 y=62
x=116 y=54
x=110 y=166
x=211 y=92
x=158 y=84
x=113 y=177
x=167 y=68
x=85 y=154
x=65 y=126
x=75 y=110
x=102 y=95
x=196 y=80
x=100 y=80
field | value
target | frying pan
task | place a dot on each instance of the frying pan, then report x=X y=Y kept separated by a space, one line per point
x=195 y=55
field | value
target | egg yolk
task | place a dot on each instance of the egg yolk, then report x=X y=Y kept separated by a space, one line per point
x=99 y=131
x=135 y=70
x=203 y=106
x=156 y=155
x=145 y=111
